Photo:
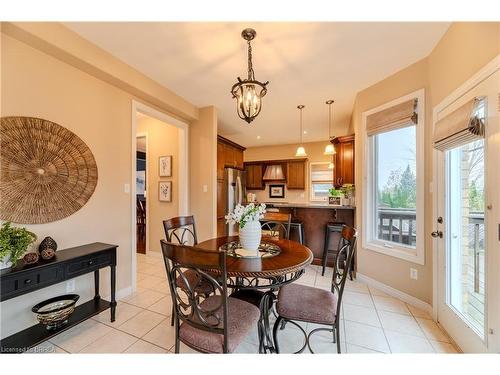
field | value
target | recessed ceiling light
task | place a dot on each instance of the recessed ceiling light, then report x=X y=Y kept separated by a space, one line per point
x=258 y=137
x=305 y=131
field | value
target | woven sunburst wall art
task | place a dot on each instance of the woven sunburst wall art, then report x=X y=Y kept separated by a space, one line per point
x=46 y=171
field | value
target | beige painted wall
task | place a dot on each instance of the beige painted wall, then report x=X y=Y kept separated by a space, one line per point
x=314 y=152
x=40 y=80
x=203 y=173
x=463 y=50
x=162 y=139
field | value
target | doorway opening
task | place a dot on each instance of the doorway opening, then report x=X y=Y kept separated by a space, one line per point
x=159 y=185
x=140 y=183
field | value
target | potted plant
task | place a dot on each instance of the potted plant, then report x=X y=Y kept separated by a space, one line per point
x=335 y=196
x=247 y=218
x=14 y=242
x=348 y=191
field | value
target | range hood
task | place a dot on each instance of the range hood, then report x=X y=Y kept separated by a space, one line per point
x=273 y=172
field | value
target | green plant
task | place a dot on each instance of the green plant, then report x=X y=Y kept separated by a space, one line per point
x=348 y=190
x=335 y=193
x=14 y=241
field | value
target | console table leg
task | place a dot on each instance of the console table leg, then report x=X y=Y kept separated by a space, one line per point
x=113 y=289
x=97 y=297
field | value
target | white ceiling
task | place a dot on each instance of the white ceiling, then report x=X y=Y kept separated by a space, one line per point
x=305 y=63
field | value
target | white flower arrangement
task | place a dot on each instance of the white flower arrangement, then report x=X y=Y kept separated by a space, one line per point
x=243 y=214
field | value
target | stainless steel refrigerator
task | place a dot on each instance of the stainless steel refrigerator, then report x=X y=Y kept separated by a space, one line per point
x=235 y=181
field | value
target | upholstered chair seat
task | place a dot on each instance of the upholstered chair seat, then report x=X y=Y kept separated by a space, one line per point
x=242 y=317
x=306 y=303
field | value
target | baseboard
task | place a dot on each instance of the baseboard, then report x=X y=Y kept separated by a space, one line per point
x=395 y=293
x=122 y=293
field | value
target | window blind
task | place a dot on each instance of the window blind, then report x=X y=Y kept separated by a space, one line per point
x=461 y=126
x=399 y=116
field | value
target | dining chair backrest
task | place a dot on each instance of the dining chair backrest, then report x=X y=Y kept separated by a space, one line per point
x=181 y=229
x=343 y=262
x=187 y=298
x=141 y=212
x=276 y=224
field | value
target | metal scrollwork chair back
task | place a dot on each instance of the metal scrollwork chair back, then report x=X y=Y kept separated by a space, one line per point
x=304 y=303
x=192 y=306
x=181 y=229
x=343 y=261
x=276 y=225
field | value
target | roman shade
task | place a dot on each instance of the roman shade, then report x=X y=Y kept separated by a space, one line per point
x=459 y=127
x=398 y=116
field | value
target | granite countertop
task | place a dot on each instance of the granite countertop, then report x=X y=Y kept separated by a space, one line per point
x=307 y=205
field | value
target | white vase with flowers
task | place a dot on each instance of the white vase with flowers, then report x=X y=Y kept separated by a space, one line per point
x=247 y=217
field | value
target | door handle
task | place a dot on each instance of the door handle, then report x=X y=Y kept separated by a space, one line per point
x=437 y=233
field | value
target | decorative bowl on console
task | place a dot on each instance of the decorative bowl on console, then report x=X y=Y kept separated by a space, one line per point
x=55 y=311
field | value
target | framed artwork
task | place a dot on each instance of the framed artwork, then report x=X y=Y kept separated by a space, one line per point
x=165 y=191
x=276 y=191
x=165 y=165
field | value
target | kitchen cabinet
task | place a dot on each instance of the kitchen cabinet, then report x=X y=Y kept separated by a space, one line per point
x=231 y=154
x=254 y=173
x=220 y=161
x=343 y=160
x=296 y=175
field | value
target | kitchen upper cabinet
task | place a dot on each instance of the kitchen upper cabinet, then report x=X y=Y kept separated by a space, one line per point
x=254 y=174
x=296 y=174
x=229 y=154
x=343 y=160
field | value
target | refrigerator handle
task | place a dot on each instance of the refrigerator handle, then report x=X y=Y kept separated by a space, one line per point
x=239 y=190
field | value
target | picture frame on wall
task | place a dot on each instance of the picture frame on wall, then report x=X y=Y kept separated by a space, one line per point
x=277 y=191
x=165 y=166
x=165 y=191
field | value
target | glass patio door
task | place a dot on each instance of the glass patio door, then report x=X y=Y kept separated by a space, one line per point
x=467 y=291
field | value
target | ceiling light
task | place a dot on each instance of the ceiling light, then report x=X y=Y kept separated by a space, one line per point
x=258 y=137
x=300 y=150
x=249 y=92
x=330 y=166
x=329 y=149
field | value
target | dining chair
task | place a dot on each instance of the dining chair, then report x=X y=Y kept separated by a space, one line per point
x=182 y=230
x=213 y=324
x=308 y=304
x=276 y=225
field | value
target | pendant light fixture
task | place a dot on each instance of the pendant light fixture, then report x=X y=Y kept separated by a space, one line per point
x=300 y=150
x=329 y=149
x=249 y=92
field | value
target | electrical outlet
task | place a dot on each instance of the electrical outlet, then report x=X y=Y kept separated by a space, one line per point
x=302 y=195
x=70 y=286
x=413 y=274
x=205 y=188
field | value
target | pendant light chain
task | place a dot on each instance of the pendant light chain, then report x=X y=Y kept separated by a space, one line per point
x=301 y=126
x=329 y=121
x=251 y=74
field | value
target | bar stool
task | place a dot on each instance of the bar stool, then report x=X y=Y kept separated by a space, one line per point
x=298 y=227
x=329 y=229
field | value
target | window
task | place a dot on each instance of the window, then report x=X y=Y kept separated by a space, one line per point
x=321 y=181
x=393 y=213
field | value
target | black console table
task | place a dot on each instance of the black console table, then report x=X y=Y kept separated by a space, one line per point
x=67 y=264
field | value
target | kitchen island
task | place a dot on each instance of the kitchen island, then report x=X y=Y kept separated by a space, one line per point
x=314 y=217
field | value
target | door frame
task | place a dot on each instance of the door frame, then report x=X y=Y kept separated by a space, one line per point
x=183 y=171
x=489 y=69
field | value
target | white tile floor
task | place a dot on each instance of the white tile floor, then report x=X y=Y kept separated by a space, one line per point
x=372 y=322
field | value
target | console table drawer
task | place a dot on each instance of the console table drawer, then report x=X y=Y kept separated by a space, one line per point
x=88 y=264
x=22 y=283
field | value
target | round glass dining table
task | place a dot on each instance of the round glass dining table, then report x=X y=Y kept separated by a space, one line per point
x=257 y=279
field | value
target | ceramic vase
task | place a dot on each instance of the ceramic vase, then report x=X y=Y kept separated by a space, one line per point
x=250 y=236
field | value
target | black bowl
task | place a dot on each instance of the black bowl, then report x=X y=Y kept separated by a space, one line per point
x=55 y=311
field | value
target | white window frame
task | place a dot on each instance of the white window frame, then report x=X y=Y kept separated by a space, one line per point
x=369 y=239
x=311 y=192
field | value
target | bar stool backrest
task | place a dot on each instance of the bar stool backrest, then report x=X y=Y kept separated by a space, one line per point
x=276 y=224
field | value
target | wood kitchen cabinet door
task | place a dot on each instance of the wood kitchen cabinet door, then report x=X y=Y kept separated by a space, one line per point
x=220 y=161
x=238 y=158
x=254 y=176
x=344 y=160
x=221 y=199
x=229 y=156
x=296 y=175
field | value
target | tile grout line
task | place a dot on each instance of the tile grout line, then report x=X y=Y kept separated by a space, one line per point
x=380 y=320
